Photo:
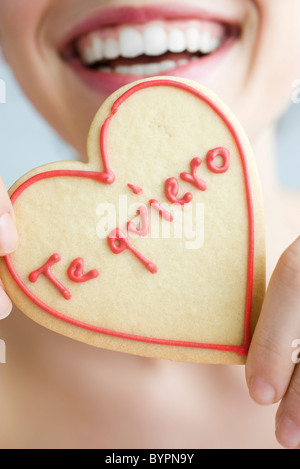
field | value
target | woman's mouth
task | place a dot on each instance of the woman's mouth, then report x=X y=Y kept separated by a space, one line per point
x=124 y=45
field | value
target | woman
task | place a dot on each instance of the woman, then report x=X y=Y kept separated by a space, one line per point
x=68 y=56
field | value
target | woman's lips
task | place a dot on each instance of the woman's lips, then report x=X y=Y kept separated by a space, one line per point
x=106 y=83
x=109 y=51
x=139 y=15
x=153 y=39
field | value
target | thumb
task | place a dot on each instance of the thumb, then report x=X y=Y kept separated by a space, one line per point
x=8 y=230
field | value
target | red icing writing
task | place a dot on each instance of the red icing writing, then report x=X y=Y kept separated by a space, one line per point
x=144 y=229
x=135 y=189
x=193 y=178
x=108 y=177
x=172 y=189
x=212 y=155
x=162 y=211
x=118 y=243
x=75 y=272
x=46 y=270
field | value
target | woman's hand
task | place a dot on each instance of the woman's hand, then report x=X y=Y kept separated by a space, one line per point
x=272 y=376
x=8 y=242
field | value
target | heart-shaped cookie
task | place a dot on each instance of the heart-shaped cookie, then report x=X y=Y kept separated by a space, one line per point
x=154 y=247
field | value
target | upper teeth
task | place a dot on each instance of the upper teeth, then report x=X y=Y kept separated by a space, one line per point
x=153 y=39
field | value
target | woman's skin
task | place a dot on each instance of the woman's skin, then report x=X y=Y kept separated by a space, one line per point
x=128 y=401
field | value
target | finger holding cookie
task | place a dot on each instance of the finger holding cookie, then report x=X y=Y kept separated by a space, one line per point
x=8 y=242
x=271 y=372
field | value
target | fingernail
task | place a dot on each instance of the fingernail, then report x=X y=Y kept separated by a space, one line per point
x=262 y=392
x=8 y=310
x=8 y=235
x=5 y=305
x=288 y=433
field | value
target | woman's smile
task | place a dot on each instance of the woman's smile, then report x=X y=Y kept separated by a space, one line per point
x=68 y=56
x=117 y=46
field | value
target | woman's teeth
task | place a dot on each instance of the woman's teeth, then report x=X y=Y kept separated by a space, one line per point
x=106 y=49
x=147 y=69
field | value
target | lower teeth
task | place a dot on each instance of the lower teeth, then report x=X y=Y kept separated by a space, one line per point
x=147 y=69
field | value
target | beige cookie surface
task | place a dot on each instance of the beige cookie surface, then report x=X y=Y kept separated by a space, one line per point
x=185 y=280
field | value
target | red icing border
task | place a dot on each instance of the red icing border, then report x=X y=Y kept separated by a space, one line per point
x=108 y=177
